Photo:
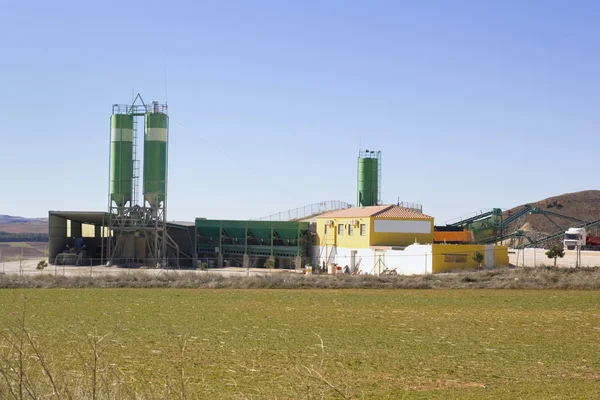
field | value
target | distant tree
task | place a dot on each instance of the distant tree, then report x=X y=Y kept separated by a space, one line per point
x=555 y=252
x=41 y=265
x=270 y=263
x=478 y=257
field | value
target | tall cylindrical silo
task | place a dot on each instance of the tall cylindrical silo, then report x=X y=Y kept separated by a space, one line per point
x=368 y=185
x=121 y=158
x=156 y=127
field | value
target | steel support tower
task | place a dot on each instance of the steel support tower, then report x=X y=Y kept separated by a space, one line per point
x=138 y=229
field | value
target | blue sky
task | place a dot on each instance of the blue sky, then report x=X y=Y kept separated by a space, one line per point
x=474 y=104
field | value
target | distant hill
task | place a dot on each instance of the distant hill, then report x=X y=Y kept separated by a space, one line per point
x=17 y=225
x=584 y=206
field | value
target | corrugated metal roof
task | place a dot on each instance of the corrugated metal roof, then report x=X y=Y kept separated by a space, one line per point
x=387 y=211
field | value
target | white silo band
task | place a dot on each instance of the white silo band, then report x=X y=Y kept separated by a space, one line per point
x=121 y=135
x=156 y=134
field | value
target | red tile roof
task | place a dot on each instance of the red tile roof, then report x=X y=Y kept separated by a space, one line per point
x=387 y=211
x=401 y=212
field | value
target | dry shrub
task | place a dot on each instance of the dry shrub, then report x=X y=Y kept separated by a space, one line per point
x=502 y=278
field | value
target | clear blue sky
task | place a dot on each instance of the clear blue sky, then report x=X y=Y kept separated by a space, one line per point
x=474 y=104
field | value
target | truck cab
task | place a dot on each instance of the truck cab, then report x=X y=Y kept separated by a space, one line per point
x=575 y=237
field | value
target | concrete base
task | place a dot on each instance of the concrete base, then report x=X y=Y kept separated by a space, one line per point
x=246 y=261
x=298 y=263
x=220 y=260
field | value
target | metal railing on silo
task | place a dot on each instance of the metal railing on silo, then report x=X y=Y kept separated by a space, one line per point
x=306 y=211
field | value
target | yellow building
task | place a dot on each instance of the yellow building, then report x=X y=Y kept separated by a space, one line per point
x=388 y=237
x=363 y=227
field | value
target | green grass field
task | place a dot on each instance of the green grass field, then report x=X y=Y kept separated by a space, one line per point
x=266 y=344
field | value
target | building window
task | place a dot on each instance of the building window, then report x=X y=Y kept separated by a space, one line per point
x=340 y=229
x=363 y=229
x=326 y=229
x=455 y=258
x=350 y=230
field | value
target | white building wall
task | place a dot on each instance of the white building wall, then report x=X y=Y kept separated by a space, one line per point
x=489 y=259
x=401 y=226
x=415 y=259
x=342 y=256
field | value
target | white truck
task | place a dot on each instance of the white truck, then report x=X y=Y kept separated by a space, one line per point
x=574 y=237
x=579 y=237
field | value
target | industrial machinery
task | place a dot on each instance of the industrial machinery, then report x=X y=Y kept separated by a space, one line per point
x=580 y=238
x=452 y=235
x=369 y=178
x=137 y=230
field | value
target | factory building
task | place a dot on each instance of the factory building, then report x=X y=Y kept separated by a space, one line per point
x=251 y=243
x=371 y=238
x=376 y=239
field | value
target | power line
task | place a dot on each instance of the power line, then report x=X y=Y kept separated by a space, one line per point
x=246 y=168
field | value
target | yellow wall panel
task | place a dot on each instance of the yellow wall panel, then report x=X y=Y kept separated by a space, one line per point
x=345 y=239
x=502 y=256
x=449 y=257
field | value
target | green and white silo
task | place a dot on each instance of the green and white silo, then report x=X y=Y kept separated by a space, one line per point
x=368 y=178
x=156 y=126
x=121 y=158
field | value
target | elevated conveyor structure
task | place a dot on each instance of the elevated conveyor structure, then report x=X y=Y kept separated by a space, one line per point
x=488 y=226
x=558 y=234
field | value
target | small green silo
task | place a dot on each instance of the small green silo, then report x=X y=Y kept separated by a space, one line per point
x=368 y=178
x=121 y=158
x=156 y=127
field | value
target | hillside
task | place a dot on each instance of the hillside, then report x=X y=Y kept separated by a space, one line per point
x=583 y=206
x=10 y=224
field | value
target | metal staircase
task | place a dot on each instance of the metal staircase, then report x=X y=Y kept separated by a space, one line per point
x=136 y=165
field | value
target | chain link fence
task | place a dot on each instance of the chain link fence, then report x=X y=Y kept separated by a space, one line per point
x=91 y=267
x=306 y=211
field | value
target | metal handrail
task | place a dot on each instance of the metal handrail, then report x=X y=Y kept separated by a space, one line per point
x=306 y=211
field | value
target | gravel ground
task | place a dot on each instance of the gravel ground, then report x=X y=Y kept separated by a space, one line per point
x=537 y=257
x=28 y=267
x=527 y=257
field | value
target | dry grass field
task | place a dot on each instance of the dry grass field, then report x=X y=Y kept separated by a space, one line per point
x=307 y=343
x=12 y=250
